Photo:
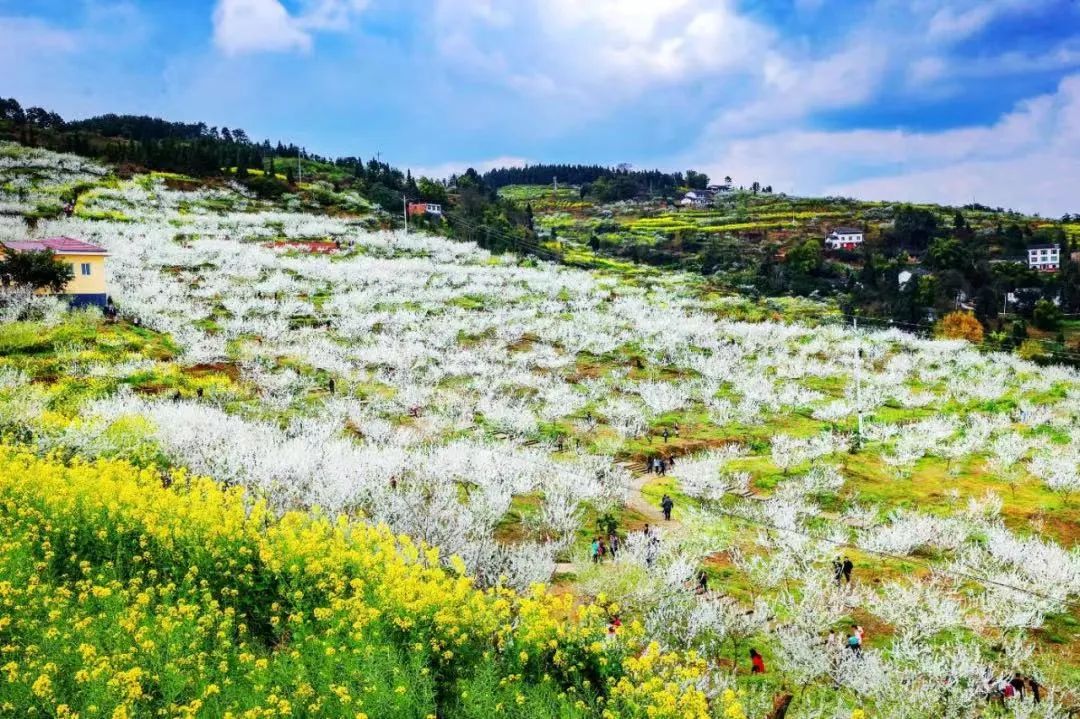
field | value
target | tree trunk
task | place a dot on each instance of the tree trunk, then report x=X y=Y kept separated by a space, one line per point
x=780 y=706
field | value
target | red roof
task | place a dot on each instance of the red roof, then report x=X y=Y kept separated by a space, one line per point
x=59 y=245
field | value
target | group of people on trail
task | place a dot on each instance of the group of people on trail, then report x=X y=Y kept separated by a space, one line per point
x=600 y=550
x=853 y=641
x=1016 y=687
x=661 y=465
x=842 y=569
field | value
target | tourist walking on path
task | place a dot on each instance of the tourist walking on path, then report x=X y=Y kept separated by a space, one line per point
x=667 y=504
x=651 y=550
x=838 y=570
x=848 y=566
x=702 y=581
x=596 y=550
x=757 y=664
x=613 y=545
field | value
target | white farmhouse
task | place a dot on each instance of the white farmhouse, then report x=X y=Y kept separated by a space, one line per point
x=1044 y=258
x=697 y=198
x=844 y=238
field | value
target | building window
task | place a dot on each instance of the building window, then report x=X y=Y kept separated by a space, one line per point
x=86 y=269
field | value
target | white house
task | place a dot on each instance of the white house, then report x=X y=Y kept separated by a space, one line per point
x=844 y=238
x=1044 y=258
x=697 y=198
x=425 y=208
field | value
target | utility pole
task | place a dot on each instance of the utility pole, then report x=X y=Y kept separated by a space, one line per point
x=858 y=375
x=299 y=167
x=555 y=183
x=405 y=212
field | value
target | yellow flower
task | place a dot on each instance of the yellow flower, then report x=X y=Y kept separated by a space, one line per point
x=42 y=686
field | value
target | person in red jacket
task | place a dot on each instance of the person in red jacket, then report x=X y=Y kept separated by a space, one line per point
x=757 y=662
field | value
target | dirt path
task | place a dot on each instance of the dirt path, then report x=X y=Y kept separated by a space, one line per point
x=635 y=500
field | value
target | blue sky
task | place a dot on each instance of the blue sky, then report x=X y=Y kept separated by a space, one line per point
x=948 y=100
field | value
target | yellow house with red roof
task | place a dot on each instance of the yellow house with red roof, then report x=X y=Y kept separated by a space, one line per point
x=88 y=285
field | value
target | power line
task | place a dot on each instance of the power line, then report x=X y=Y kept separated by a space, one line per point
x=515 y=242
x=985 y=343
x=887 y=555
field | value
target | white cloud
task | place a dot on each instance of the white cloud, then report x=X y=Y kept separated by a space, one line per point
x=597 y=52
x=19 y=36
x=952 y=24
x=958 y=20
x=245 y=26
x=446 y=169
x=1029 y=159
x=793 y=88
x=242 y=26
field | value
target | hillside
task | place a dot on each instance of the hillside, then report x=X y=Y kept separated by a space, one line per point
x=349 y=396
x=973 y=257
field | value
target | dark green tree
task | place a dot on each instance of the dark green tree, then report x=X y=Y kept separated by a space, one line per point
x=1015 y=244
x=696 y=180
x=946 y=253
x=805 y=258
x=37 y=270
x=914 y=228
x=1046 y=315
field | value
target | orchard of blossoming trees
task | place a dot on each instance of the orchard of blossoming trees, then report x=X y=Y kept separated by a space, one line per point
x=494 y=409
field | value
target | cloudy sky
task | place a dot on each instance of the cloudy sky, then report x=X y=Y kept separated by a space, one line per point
x=948 y=100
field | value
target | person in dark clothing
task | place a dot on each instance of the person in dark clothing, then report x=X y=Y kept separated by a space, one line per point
x=176 y=396
x=613 y=545
x=199 y=393
x=848 y=566
x=666 y=434
x=1018 y=684
x=651 y=550
x=332 y=386
x=838 y=570
x=757 y=664
x=667 y=504
x=703 y=581
x=1036 y=689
